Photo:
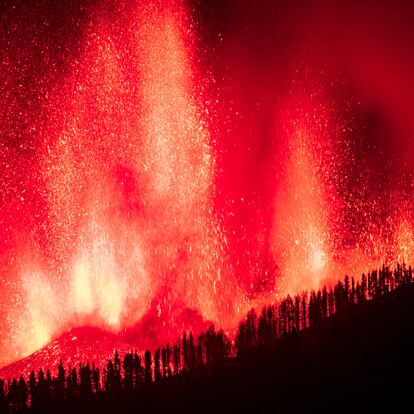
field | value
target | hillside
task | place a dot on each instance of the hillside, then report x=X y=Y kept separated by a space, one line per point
x=360 y=358
x=79 y=344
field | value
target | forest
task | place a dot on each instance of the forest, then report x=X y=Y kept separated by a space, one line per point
x=356 y=332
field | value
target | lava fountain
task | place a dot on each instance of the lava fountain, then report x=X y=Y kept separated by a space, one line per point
x=301 y=232
x=126 y=176
x=164 y=167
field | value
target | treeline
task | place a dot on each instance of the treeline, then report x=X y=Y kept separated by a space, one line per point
x=307 y=310
x=189 y=354
x=133 y=371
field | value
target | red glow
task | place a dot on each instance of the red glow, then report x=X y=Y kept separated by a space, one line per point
x=153 y=192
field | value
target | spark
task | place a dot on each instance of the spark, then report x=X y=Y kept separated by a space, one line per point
x=140 y=190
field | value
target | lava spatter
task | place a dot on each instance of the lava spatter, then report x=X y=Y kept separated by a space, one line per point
x=161 y=171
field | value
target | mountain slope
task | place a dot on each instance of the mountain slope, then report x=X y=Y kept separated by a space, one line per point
x=77 y=345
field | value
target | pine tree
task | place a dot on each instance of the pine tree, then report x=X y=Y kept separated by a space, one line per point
x=85 y=384
x=33 y=390
x=271 y=321
x=168 y=356
x=363 y=287
x=331 y=302
x=191 y=352
x=324 y=302
x=346 y=289
x=241 y=339
x=21 y=395
x=3 y=399
x=297 y=313
x=109 y=376
x=12 y=396
x=117 y=372
x=352 y=298
x=185 y=352
x=157 y=365
x=304 y=310
x=223 y=345
x=127 y=366
x=176 y=358
x=164 y=361
x=262 y=328
x=60 y=383
x=251 y=328
x=210 y=344
x=148 y=366
x=42 y=388
x=138 y=371
x=96 y=378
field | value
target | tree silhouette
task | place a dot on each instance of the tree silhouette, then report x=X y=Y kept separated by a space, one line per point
x=241 y=339
x=304 y=310
x=331 y=302
x=185 y=352
x=211 y=345
x=49 y=383
x=222 y=346
x=282 y=317
x=117 y=372
x=192 y=357
x=60 y=383
x=201 y=349
x=157 y=365
x=109 y=376
x=262 y=328
x=346 y=289
x=148 y=366
x=3 y=398
x=168 y=359
x=272 y=322
x=176 y=358
x=42 y=388
x=21 y=395
x=128 y=369
x=138 y=371
x=363 y=286
x=164 y=361
x=251 y=329
x=288 y=316
x=324 y=302
x=96 y=378
x=297 y=313
x=85 y=380
x=352 y=296
x=290 y=313
x=12 y=396
x=311 y=309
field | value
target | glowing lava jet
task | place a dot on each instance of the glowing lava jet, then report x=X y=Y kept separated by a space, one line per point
x=127 y=172
x=301 y=234
x=301 y=225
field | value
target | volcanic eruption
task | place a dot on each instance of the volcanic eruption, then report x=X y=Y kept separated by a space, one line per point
x=170 y=164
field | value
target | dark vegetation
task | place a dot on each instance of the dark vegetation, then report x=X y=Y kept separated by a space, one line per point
x=349 y=347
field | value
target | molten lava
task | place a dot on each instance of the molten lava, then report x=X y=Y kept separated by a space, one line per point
x=164 y=167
